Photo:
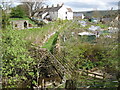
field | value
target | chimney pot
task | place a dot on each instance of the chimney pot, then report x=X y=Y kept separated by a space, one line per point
x=42 y=7
x=52 y=5
x=57 y=5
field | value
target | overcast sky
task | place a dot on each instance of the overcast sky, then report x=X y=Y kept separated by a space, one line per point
x=82 y=5
x=88 y=5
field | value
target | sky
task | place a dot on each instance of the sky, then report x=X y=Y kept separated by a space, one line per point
x=82 y=5
x=87 y=5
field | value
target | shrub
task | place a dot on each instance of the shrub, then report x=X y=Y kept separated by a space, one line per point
x=16 y=60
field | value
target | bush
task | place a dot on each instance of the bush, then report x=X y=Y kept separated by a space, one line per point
x=16 y=60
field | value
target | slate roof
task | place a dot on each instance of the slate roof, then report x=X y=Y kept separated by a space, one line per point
x=54 y=9
x=50 y=9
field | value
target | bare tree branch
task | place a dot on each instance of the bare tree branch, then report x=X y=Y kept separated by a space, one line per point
x=33 y=6
x=5 y=5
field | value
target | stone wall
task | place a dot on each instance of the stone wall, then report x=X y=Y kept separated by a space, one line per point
x=20 y=24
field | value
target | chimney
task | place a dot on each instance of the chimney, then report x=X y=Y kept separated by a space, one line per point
x=52 y=5
x=47 y=6
x=42 y=7
x=57 y=5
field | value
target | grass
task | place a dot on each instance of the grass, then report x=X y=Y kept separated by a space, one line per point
x=51 y=42
x=37 y=35
x=102 y=25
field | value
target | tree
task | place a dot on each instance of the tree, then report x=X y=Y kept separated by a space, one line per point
x=5 y=19
x=0 y=16
x=33 y=6
x=25 y=9
x=5 y=7
x=17 y=12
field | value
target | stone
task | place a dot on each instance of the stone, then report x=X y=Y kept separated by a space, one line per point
x=20 y=24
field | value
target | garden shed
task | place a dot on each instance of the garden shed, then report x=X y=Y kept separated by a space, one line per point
x=20 y=24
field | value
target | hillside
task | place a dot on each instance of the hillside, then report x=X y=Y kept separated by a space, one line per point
x=101 y=12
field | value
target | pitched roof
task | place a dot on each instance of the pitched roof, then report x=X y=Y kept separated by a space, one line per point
x=50 y=9
x=54 y=8
x=69 y=9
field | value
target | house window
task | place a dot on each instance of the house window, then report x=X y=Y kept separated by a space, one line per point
x=66 y=17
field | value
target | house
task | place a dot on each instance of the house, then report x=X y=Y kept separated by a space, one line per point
x=55 y=12
x=78 y=15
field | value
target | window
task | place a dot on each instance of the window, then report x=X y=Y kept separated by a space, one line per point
x=66 y=12
x=66 y=17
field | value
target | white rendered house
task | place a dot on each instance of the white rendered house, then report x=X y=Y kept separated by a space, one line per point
x=55 y=12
